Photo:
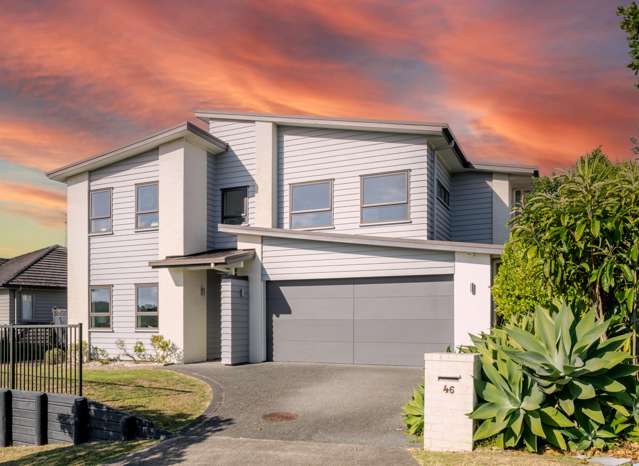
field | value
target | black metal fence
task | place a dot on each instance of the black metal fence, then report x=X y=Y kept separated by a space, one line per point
x=44 y=358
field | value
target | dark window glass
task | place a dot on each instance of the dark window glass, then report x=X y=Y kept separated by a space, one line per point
x=442 y=194
x=234 y=205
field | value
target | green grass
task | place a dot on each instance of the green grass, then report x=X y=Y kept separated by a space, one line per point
x=69 y=455
x=487 y=457
x=169 y=399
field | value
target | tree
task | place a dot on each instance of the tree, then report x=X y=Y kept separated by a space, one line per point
x=582 y=229
x=630 y=25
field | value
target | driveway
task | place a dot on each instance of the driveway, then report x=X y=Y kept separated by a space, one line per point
x=319 y=414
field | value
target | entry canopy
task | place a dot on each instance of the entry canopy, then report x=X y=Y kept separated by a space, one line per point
x=224 y=260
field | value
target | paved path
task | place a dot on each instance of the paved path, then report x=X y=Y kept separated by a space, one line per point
x=343 y=415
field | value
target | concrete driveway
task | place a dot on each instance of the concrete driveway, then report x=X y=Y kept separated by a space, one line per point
x=276 y=413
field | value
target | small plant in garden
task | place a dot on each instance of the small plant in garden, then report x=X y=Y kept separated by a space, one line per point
x=99 y=354
x=413 y=413
x=139 y=350
x=166 y=352
x=560 y=381
x=54 y=356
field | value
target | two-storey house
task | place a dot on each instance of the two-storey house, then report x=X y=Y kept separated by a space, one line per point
x=288 y=239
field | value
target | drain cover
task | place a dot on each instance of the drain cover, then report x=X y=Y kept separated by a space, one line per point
x=279 y=416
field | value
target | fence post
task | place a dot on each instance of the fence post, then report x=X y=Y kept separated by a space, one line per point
x=81 y=356
x=12 y=358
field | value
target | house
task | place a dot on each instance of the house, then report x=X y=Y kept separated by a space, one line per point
x=32 y=285
x=288 y=239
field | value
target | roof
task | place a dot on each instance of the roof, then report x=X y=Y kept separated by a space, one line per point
x=441 y=135
x=45 y=267
x=428 y=245
x=511 y=169
x=208 y=259
x=186 y=130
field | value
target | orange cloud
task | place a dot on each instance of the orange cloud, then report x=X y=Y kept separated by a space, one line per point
x=43 y=205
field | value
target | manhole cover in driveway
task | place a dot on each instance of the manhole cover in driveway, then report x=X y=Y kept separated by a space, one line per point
x=279 y=416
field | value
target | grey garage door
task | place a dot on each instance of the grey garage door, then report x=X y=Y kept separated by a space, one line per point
x=390 y=320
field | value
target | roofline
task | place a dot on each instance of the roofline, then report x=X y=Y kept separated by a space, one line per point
x=186 y=130
x=357 y=124
x=428 y=245
x=45 y=252
x=182 y=261
x=511 y=169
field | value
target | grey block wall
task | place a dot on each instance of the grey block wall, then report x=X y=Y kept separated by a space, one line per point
x=234 y=310
x=28 y=409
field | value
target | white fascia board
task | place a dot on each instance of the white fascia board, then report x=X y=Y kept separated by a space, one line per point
x=506 y=169
x=428 y=245
x=187 y=131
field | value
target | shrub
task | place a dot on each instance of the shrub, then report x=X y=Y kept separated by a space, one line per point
x=55 y=356
x=413 y=412
x=560 y=383
x=99 y=354
x=166 y=352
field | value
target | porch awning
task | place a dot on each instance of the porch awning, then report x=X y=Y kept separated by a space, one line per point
x=220 y=259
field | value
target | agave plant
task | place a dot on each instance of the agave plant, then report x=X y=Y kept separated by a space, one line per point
x=414 y=412
x=512 y=410
x=573 y=361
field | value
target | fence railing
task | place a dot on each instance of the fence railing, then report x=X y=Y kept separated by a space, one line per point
x=44 y=358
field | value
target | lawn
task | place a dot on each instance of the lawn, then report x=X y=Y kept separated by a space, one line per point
x=169 y=399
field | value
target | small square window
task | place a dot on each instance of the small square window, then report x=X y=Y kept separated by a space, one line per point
x=311 y=204
x=146 y=206
x=100 y=211
x=234 y=205
x=384 y=198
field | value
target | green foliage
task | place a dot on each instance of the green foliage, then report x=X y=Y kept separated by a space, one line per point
x=582 y=228
x=166 y=352
x=54 y=356
x=413 y=413
x=630 y=25
x=519 y=285
x=557 y=380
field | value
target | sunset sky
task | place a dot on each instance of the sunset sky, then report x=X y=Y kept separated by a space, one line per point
x=538 y=82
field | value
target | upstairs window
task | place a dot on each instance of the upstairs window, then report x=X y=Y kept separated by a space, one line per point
x=100 y=312
x=146 y=306
x=146 y=206
x=234 y=203
x=311 y=204
x=100 y=211
x=384 y=198
x=442 y=194
x=519 y=196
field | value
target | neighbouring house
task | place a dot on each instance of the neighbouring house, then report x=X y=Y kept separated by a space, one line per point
x=288 y=239
x=32 y=285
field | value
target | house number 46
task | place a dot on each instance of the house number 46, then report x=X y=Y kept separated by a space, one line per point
x=449 y=389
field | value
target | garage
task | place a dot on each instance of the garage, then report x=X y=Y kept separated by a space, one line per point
x=386 y=320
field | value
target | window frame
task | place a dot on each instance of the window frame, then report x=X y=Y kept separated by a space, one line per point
x=362 y=205
x=22 y=295
x=291 y=212
x=101 y=314
x=110 y=216
x=138 y=213
x=146 y=313
x=246 y=207
x=445 y=201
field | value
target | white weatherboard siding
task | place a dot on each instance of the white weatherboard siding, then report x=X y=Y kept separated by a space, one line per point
x=308 y=154
x=235 y=167
x=121 y=259
x=292 y=259
x=472 y=312
x=234 y=307
x=6 y=307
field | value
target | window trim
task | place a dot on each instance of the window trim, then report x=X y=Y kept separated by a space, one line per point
x=137 y=213
x=138 y=313
x=101 y=314
x=439 y=183
x=362 y=205
x=291 y=212
x=110 y=216
x=246 y=206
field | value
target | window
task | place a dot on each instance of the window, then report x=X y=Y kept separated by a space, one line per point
x=100 y=312
x=311 y=204
x=519 y=196
x=100 y=211
x=146 y=306
x=384 y=198
x=146 y=206
x=442 y=194
x=26 y=305
x=234 y=205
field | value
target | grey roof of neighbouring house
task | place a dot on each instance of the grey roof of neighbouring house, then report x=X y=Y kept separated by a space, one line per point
x=46 y=267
